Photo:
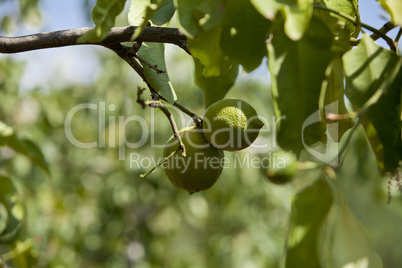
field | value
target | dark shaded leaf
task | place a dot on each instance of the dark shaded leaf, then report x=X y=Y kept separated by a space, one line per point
x=154 y=53
x=215 y=88
x=23 y=146
x=196 y=16
x=12 y=211
x=244 y=32
x=164 y=12
x=297 y=71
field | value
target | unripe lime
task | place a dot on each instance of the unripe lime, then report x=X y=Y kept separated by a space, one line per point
x=231 y=124
x=200 y=168
x=282 y=167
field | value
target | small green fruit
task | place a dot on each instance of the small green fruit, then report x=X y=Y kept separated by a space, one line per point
x=201 y=167
x=231 y=124
x=282 y=167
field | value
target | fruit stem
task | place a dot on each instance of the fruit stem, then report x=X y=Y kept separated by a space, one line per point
x=197 y=119
x=165 y=110
x=158 y=165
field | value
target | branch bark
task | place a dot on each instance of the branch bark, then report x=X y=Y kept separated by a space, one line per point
x=116 y=35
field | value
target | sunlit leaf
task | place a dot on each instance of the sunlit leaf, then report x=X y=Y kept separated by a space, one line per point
x=297 y=71
x=308 y=213
x=206 y=48
x=394 y=9
x=244 y=32
x=103 y=14
x=214 y=88
x=298 y=18
x=339 y=28
x=267 y=8
x=154 y=53
x=139 y=15
x=5 y=133
x=345 y=7
x=368 y=69
x=297 y=14
x=334 y=99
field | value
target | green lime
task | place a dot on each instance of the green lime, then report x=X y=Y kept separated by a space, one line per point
x=282 y=167
x=200 y=168
x=231 y=124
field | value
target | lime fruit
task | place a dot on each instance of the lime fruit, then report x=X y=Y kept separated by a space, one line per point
x=200 y=168
x=231 y=124
x=282 y=167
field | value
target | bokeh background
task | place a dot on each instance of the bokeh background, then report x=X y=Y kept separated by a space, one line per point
x=93 y=210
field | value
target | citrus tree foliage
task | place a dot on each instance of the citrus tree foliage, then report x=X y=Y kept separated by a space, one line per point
x=324 y=69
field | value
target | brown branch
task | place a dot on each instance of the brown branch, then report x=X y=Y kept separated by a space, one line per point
x=69 y=38
x=168 y=114
x=375 y=36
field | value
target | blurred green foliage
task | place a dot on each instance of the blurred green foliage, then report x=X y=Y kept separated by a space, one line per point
x=93 y=210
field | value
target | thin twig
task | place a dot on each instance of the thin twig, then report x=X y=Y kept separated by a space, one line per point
x=197 y=119
x=165 y=110
x=159 y=164
x=398 y=36
x=139 y=99
x=115 y=36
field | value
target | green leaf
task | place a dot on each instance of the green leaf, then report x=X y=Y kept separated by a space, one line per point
x=351 y=244
x=267 y=8
x=206 y=48
x=139 y=15
x=29 y=149
x=345 y=7
x=298 y=16
x=196 y=16
x=334 y=99
x=215 y=88
x=23 y=146
x=339 y=29
x=306 y=222
x=14 y=211
x=394 y=9
x=154 y=53
x=366 y=67
x=243 y=34
x=164 y=12
x=297 y=71
x=103 y=15
x=5 y=133
x=3 y=218
x=369 y=69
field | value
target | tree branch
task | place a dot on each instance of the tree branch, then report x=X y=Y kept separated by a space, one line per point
x=69 y=38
